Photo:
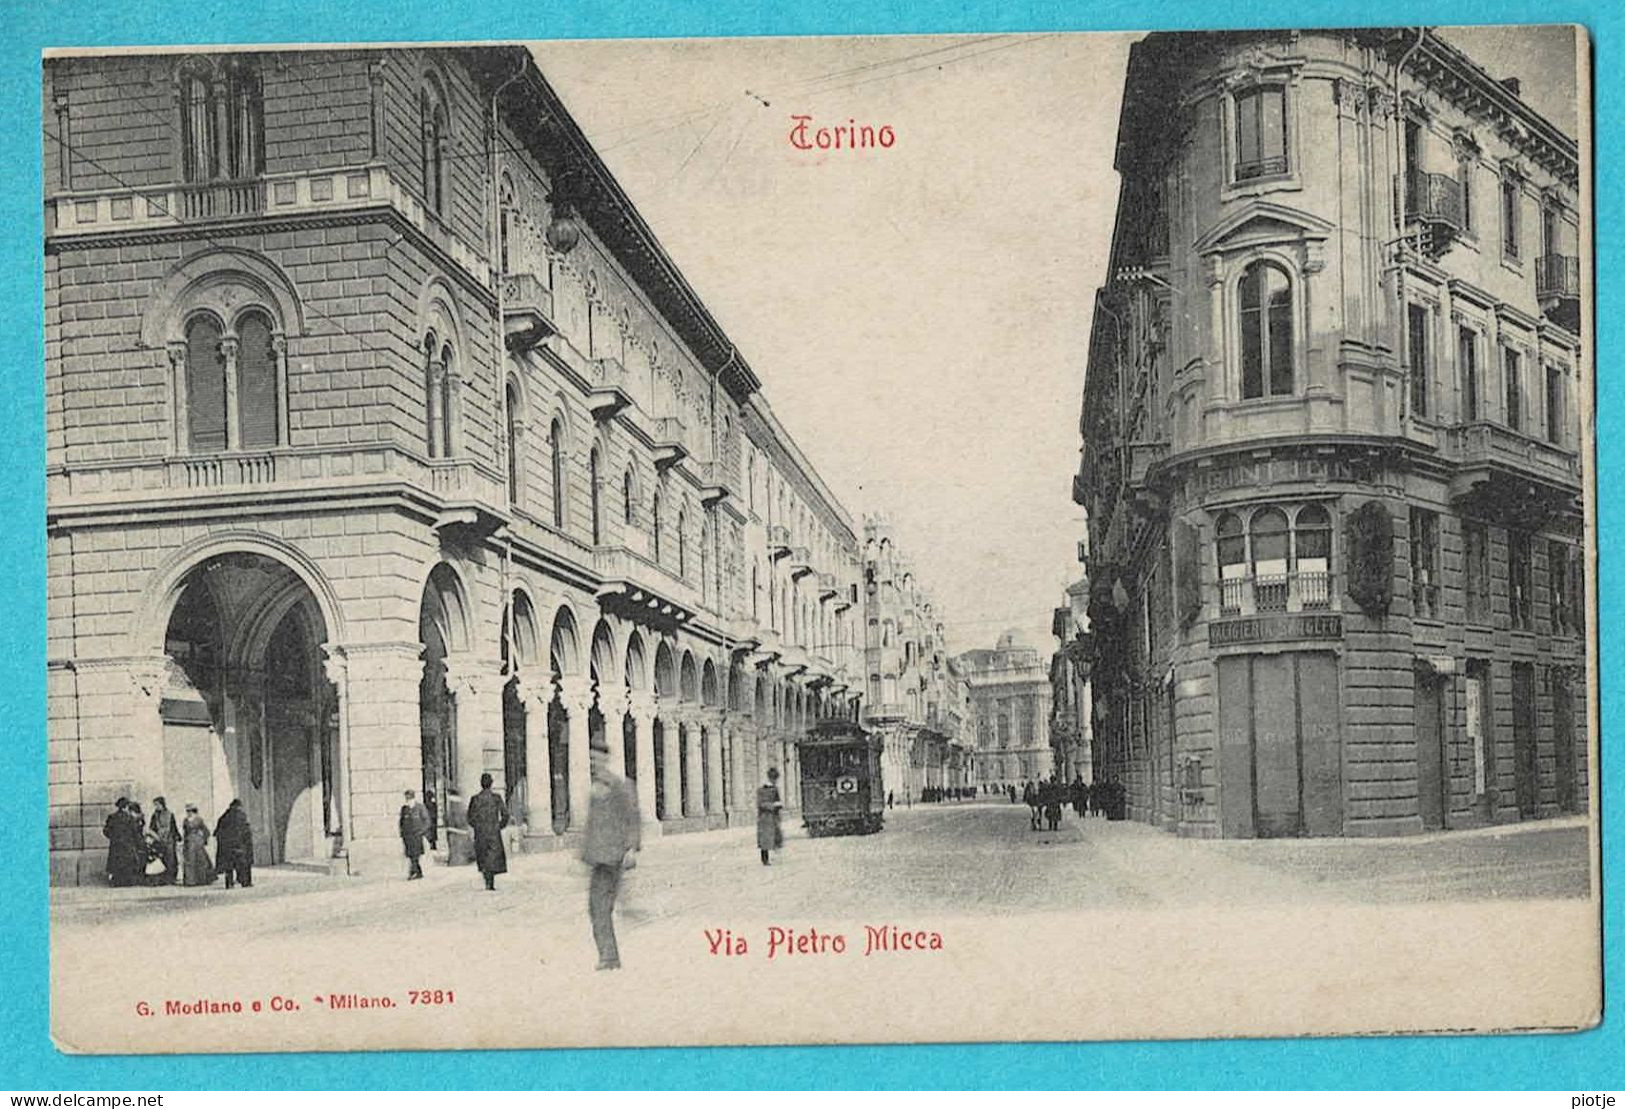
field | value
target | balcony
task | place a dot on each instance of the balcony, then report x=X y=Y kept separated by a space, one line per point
x=1433 y=208
x=800 y=563
x=527 y=312
x=827 y=587
x=1557 y=287
x=1511 y=476
x=606 y=390
x=716 y=481
x=778 y=541
x=1299 y=591
x=670 y=442
x=887 y=712
x=641 y=590
x=847 y=598
x=315 y=192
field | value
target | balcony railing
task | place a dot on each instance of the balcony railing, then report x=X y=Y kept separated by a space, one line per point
x=628 y=570
x=1485 y=443
x=1298 y=591
x=1433 y=198
x=778 y=540
x=222 y=199
x=306 y=192
x=1557 y=276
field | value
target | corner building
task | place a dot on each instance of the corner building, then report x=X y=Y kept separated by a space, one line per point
x=386 y=446
x=1333 y=443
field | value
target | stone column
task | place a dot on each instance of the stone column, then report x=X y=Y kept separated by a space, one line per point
x=533 y=697
x=713 y=760
x=382 y=751
x=642 y=706
x=612 y=703
x=575 y=693
x=338 y=673
x=696 y=765
x=228 y=353
x=475 y=685
x=669 y=756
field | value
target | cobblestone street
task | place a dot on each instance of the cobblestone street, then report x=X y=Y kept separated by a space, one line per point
x=1001 y=896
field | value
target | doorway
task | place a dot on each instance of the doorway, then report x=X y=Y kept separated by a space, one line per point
x=1525 y=754
x=1432 y=760
x=1280 y=745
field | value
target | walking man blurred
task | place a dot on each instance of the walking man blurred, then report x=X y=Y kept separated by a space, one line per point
x=414 y=825
x=610 y=845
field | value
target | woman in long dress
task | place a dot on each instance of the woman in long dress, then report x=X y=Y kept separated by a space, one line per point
x=769 y=836
x=194 y=854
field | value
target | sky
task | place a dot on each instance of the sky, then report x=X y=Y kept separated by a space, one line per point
x=918 y=314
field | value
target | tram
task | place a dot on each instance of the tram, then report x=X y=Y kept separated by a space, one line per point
x=841 y=790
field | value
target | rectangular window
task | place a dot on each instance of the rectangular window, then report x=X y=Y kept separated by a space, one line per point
x=1477 y=541
x=1557 y=574
x=1465 y=176
x=1509 y=217
x=1467 y=360
x=1425 y=563
x=1513 y=375
x=1421 y=360
x=1520 y=579
x=1261 y=133
x=1554 y=405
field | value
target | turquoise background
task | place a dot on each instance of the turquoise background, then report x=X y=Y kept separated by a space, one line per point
x=28 y=1061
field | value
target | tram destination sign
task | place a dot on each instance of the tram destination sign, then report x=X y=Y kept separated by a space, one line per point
x=1275 y=627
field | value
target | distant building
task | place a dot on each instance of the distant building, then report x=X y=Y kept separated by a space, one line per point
x=1332 y=443
x=1010 y=703
x=914 y=699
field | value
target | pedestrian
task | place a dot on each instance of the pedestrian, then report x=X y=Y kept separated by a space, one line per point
x=487 y=816
x=124 y=845
x=430 y=805
x=609 y=845
x=769 y=836
x=1029 y=796
x=891 y=798
x=1080 y=796
x=234 y=846
x=1052 y=804
x=165 y=838
x=414 y=824
x=194 y=850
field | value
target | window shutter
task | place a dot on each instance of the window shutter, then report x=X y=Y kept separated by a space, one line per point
x=1187 y=573
x=205 y=387
x=256 y=384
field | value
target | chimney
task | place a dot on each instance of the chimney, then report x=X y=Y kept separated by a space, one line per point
x=1512 y=85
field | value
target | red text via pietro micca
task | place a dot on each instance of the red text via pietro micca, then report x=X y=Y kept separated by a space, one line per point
x=805 y=134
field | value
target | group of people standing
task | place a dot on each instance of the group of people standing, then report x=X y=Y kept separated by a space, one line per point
x=157 y=851
x=1047 y=799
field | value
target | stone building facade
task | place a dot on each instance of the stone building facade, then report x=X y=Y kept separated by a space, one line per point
x=1334 y=425
x=386 y=447
x=914 y=698
x=1010 y=705
x=1071 y=731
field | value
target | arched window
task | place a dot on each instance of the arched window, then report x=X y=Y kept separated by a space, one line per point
x=257 y=423
x=432 y=144
x=592 y=491
x=1269 y=549
x=626 y=498
x=222 y=129
x=1312 y=557
x=245 y=119
x=750 y=481
x=1232 y=552
x=205 y=385
x=200 y=124
x=655 y=524
x=555 y=434
x=1266 y=331
x=514 y=467
x=682 y=543
x=755 y=592
x=438 y=369
x=705 y=560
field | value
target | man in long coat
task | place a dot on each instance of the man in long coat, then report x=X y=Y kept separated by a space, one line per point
x=487 y=816
x=125 y=848
x=414 y=824
x=234 y=846
x=769 y=836
x=613 y=835
x=166 y=835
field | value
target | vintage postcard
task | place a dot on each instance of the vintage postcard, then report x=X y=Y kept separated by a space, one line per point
x=991 y=537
